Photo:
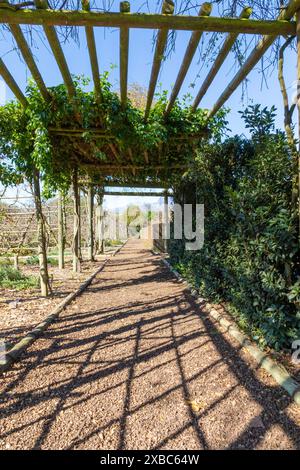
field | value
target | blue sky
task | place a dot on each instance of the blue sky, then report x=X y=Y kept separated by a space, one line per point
x=140 y=61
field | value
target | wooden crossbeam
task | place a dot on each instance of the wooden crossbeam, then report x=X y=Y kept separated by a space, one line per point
x=90 y=39
x=28 y=57
x=110 y=167
x=254 y=58
x=149 y=21
x=138 y=193
x=161 y=42
x=226 y=48
x=124 y=46
x=57 y=51
x=12 y=84
x=205 y=10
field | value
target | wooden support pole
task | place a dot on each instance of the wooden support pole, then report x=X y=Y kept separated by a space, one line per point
x=76 y=209
x=57 y=51
x=161 y=42
x=205 y=10
x=253 y=59
x=29 y=60
x=152 y=21
x=226 y=48
x=90 y=197
x=12 y=84
x=61 y=235
x=297 y=166
x=90 y=38
x=124 y=45
x=100 y=228
x=166 y=221
x=42 y=248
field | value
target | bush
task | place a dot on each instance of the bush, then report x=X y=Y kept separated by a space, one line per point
x=250 y=253
x=12 y=278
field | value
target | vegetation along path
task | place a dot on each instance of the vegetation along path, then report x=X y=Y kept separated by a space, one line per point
x=134 y=363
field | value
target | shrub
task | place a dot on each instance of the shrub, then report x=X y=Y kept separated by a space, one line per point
x=250 y=254
x=12 y=278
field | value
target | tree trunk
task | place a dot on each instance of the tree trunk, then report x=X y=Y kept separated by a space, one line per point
x=91 y=222
x=42 y=249
x=79 y=225
x=61 y=236
x=75 y=244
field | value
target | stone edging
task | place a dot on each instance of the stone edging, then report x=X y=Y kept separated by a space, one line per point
x=278 y=372
x=17 y=350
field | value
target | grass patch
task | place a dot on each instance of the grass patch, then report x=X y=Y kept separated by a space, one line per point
x=34 y=261
x=12 y=278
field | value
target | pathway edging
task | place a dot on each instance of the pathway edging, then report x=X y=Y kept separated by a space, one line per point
x=278 y=372
x=21 y=346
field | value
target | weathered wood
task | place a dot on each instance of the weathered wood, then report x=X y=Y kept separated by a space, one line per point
x=124 y=46
x=90 y=204
x=152 y=21
x=42 y=248
x=29 y=60
x=57 y=51
x=160 y=47
x=76 y=215
x=90 y=39
x=226 y=48
x=137 y=193
x=61 y=236
x=205 y=10
x=12 y=84
x=254 y=58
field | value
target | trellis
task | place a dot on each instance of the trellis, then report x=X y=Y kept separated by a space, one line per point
x=118 y=164
x=121 y=164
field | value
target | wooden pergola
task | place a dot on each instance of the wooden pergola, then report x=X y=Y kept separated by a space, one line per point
x=120 y=164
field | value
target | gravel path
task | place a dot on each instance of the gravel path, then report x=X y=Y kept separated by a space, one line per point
x=134 y=364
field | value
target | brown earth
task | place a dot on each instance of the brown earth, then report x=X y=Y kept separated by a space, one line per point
x=134 y=364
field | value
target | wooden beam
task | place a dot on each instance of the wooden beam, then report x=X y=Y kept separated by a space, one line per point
x=138 y=193
x=124 y=46
x=228 y=43
x=205 y=10
x=253 y=59
x=151 y=21
x=57 y=51
x=28 y=57
x=161 y=42
x=12 y=84
x=90 y=39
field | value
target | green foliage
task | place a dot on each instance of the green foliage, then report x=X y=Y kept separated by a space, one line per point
x=34 y=261
x=250 y=255
x=14 y=279
x=26 y=141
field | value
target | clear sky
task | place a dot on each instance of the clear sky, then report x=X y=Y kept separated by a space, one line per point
x=140 y=61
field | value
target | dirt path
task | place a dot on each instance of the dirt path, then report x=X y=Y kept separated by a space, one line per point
x=133 y=363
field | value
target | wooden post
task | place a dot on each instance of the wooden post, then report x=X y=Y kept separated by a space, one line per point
x=91 y=222
x=61 y=237
x=100 y=227
x=297 y=169
x=124 y=44
x=165 y=221
x=79 y=224
x=42 y=249
x=75 y=244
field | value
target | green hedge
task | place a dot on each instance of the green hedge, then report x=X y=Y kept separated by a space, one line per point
x=250 y=257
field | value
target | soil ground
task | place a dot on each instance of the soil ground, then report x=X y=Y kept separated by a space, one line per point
x=134 y=363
